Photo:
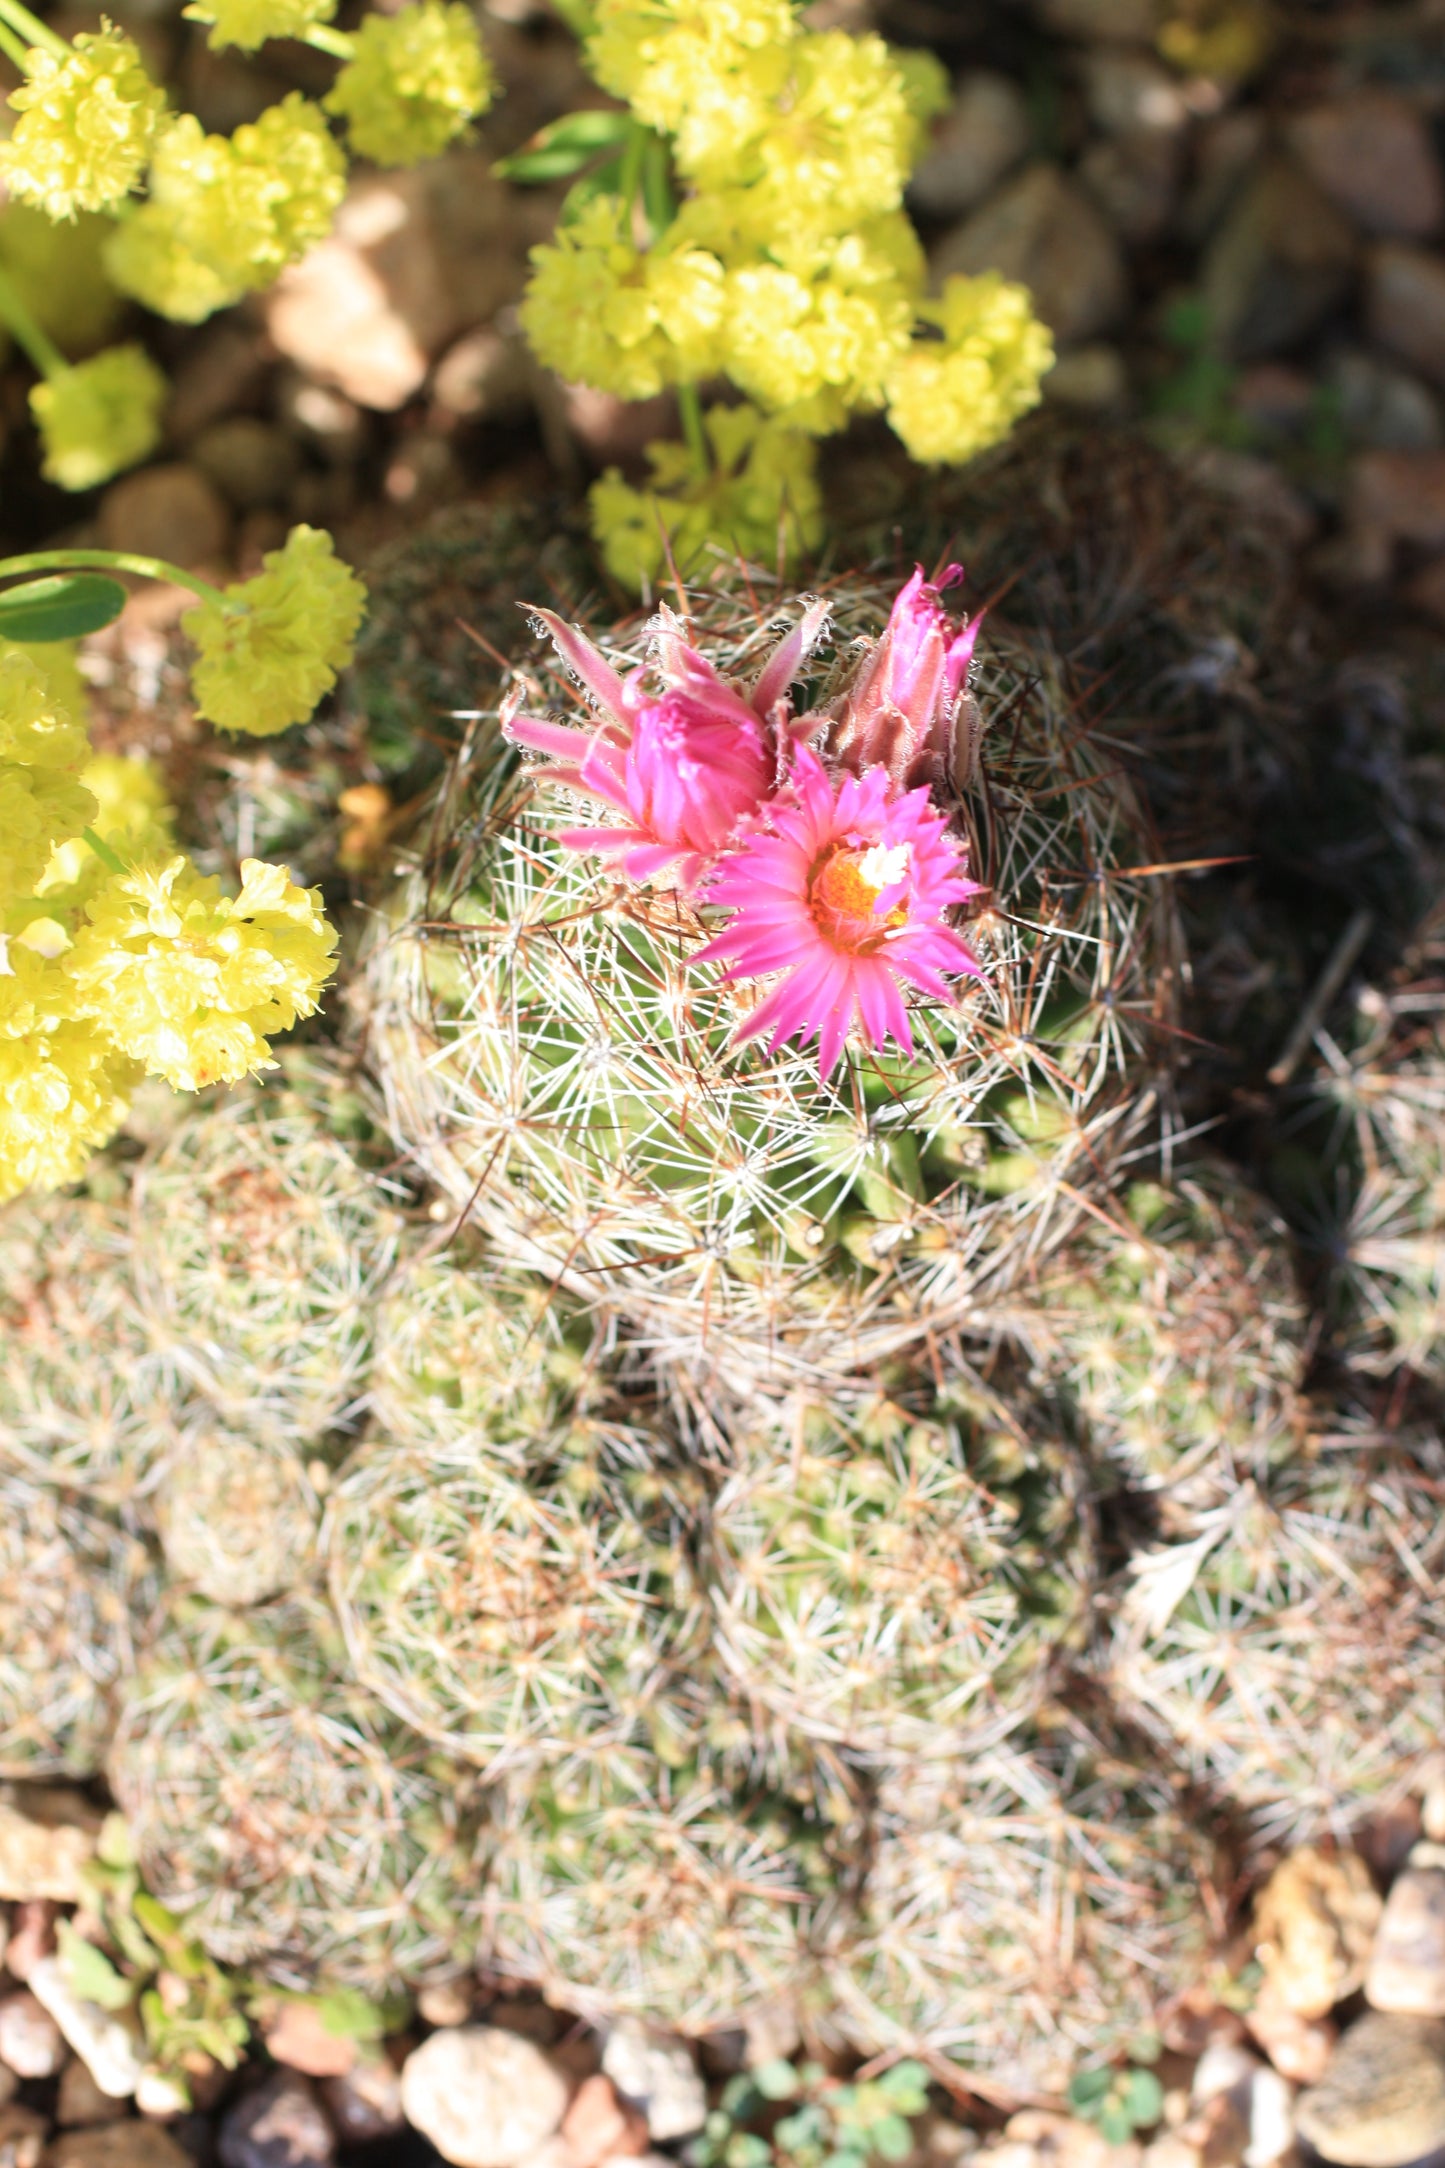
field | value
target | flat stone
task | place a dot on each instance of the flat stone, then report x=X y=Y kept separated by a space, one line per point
x=117 y=2145
x=1371 y=153
x=1314 y=1922
x=30 y=2040
x=43 y=1859
x=1044 y=232
x=365 y=2104
x=168 y=511
x=1407 y=1964
x=656 y=2072
x=280 y=2125
x=1405 y=306
x=984 y=133
x=103 y=2042
x=1381 y=2103
x=1281 y=261
x=485 y=2098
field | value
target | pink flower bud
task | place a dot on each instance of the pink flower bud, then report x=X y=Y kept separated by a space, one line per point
x=908 y=709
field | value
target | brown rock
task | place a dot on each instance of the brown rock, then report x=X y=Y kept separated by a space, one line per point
x=366 y=2103
x=222 y=374
x=1384 y=410
x=297 y=2037
x=485 y=377
x=1134 y=180
x=1283 y=258
x=984 y=133
x=40 y=1857
x=446 y=2002
x=279 y=2125
x=1381 y=2103
x=22 y=2138
x=1313 y=1924
x=1426 y=592
x=1129 y=93
x=1043 y=231
x=131 y=2144
x=598 y=2125
x=80 y=2102
x=251 y=462
x=1225 y=151
x=1405 y=306
x=1371 y=153
x=1407 y=1964
x=1298 y=2047
x=30 y=2041
x=1397 y=497
x=1090 y=380
x=168 y=511
x=32 y=1936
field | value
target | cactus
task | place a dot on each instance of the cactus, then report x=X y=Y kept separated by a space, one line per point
x=288 y=1827
x=548 y=1059
x=1286 y=1647
x=1026 y=1906
x=875 y=1585
x=237 y=1518
x=72 y=1585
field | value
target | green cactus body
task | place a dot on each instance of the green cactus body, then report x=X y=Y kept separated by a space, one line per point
x=549 y=1059
x=237 y=1518
x=1178 y=1331
x=1287 y=1649
x=72 y=1587
x=1026 y=1907
x=870 y=1588
x=290 y=1829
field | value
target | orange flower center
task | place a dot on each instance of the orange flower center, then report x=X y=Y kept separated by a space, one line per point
x=846 y=885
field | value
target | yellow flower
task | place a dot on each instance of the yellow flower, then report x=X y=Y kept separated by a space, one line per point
x=63 y=1089
x=42 y=799
x=600 y=311
x=927 y=88
x=816 y=329
x=416 y=81
x=704 y=71
x=189 y=982
x=86 y=125
x=226 y=214
x=267 y=657
x=99 y=417
x=952 y=398
x=761 y=495
x=844 y=137
x=249 y=23
x=132 y=814
x=55 y=267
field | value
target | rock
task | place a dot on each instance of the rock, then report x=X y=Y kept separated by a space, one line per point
x=1314 y=1921
x=1248 y=2107
x=1134 y=179
x=1131 y=94
x=1223 y=154
x=366 y=2103
x=485 y=2098
x=1090 y=380
x=40 y=1859
x=118 y=2145
x=447 y=2002
x=1381 y=2103
x=1063 y=2141
x=1407 y=1964
x=1370 y=151
x=1124 y=22
x=1382 y=409
x=1043 y=231
x=1275 y=399
x=1393 y=497
x=80 y=2101
x=22 y=2137
x=251 y=462
x=1170 y=2150
x=280 y=2125
x=1298 y=2047
x=9 y=2086
x=32 y=1935
x=655 y=2072
x=485 y=377
x=598 y=2125
x=30 y=2040
x=223 y=371
x=161 y=2096
x=167 y=511
x=1405 y=306
x=102 y=2041
x=983 y=134
x=1281 y=261
x=1426 y=591
x=297 y=2037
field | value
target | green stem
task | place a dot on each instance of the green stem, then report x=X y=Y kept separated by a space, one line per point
x=14 y=49
x=145 y=568
x=103 y=852
x=689 y=405
x=630 y=184
x=31 y=27
x=323 y=39
x=657 y=198
x=43 y=352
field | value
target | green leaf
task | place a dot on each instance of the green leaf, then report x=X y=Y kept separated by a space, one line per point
x=347 y=2015
x=893 y=2138
x=1088 y=2087
x=565 y=146
x=1115 y=2126
x=89 y=1972
x=113 y=1846
x=776 y=2080
x=60 y=608
x=906 y=2080
x=580 y=16
x=745 y=2150
x=1143 y=2097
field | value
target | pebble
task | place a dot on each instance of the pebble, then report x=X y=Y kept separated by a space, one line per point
x=1281 y=261
x=1065 y=2141
x=159 y=2095
x=1129 y=93
x=1381 y=2103
x=1090 y=380
x=102 y=2041
x=1371 y=153
x=80 y=2100
x=365 y=2104
x=982 y=136
x=168 y=511
x=1393 y=497
x=1314 y=1921
x=222 y=373
x=445 y=2002
x=22 y=2137
x=280 y=2125
x=30 y=2041
x=1382 y=409
x=1427 y=591
x=600 y=2126
x=1249 y=2107
x=655 y=2072
x=485 y=377
x=1299 y=2047
x=117 y=2145
x=485 y=2098
x=1405 y=306
x=40 y=1859
x=251 y=462
x=32 y=1935
x=1044 y=231
x=1134 y=179
x=297 y=2037
x=1407 y=1964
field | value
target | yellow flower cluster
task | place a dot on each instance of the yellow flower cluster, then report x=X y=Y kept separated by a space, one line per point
x=99 y=417
x=270 y=651
x=249 y=23
x=87 y=123
x=42 y=798
x=760 y=501
x=602 y=311
x=951 y=398
x=704 y=71
x=415 y=82
x=63 y=1088
x=226 y=214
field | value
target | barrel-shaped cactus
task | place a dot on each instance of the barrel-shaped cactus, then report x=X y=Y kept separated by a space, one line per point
x=237 y=1515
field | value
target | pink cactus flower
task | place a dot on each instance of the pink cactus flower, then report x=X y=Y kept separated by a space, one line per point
x=686 y=770
x=845 y=894
x=908 y=710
